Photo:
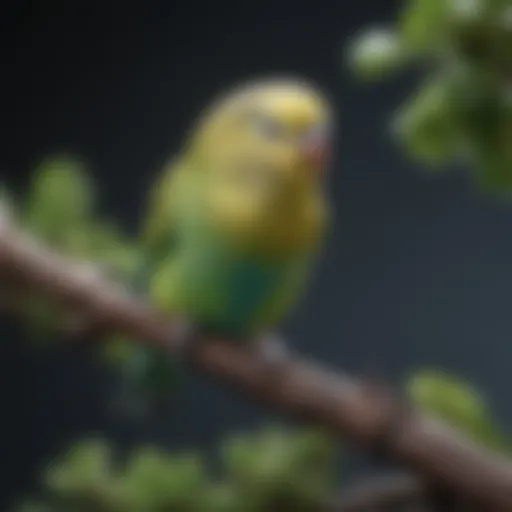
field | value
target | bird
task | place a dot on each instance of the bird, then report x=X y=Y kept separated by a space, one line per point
x=236 y=221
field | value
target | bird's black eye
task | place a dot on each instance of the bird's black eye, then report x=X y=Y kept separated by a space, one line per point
x=267 y=127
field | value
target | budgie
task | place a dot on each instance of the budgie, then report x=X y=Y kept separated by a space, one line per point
x=236 y=221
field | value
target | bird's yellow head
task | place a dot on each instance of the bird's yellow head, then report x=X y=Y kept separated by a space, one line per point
x=264 y=151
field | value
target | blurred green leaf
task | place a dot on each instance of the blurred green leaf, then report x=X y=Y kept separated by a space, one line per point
x=278 y=466
x=458 y=403
x=225 y=497
x=428 y=125
x=449 y=396
x=60 y=199
x=86 y=468
x=376 y=53
x=424 y=24
x=155 y=481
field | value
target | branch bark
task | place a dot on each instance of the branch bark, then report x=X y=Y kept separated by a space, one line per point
x=368 y=415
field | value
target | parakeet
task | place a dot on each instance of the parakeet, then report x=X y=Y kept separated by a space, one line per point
x=235 y=222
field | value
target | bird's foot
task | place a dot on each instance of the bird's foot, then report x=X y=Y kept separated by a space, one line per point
x=272 y=351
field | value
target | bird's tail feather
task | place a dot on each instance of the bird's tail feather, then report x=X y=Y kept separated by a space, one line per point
x=146 y=377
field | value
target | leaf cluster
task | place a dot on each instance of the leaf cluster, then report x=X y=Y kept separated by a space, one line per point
x=272 y=469
x=59 y=208
x=462 y=108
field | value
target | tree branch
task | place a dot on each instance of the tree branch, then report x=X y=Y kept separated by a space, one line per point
x=367 y=415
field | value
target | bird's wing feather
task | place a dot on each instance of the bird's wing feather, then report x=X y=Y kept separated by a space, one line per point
x=158 y=227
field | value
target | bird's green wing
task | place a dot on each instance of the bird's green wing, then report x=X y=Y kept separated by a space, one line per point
x=286 y=298
x=158 y=229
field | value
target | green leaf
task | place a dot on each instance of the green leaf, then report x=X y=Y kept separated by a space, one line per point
x=276 y=465
x=493 y=175
x=153 y=480
x=61 y=198
x=428 y=126
x=456 y=402
x=376 y=53
x=225 y=497
x=488 y=137
x=424 y=24
x=85 y=470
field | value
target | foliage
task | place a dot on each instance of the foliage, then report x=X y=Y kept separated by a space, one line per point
x=272 y=469
x=459 y=404
x=462 y=110
x=59 y=209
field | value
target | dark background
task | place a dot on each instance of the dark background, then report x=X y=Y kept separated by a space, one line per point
x=417 y=272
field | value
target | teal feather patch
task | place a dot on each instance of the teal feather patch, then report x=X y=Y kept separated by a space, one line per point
x=228 y=291
x=250 y=286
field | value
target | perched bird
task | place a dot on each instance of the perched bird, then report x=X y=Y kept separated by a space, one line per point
x=236 y=221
